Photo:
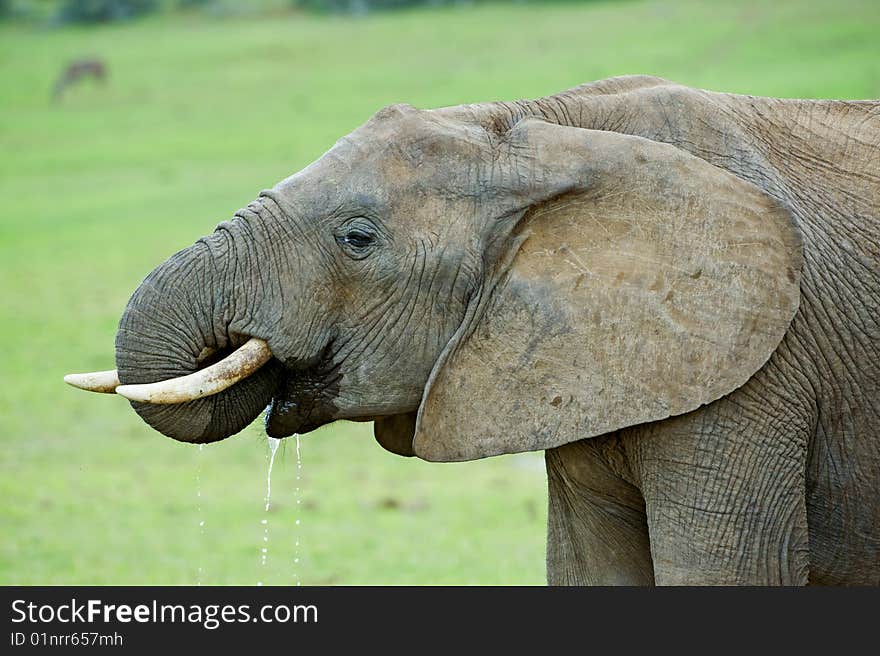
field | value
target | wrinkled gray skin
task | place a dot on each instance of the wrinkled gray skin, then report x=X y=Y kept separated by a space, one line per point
x=362 y=268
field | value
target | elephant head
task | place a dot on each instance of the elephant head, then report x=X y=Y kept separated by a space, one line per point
x=473 y=288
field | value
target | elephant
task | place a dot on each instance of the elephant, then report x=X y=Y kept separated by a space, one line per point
x=672 y=292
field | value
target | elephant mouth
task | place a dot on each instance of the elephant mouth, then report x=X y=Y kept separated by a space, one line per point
x=301 y=403
x=304 y=398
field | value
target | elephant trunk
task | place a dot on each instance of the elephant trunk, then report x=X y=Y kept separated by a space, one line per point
x=180 y=326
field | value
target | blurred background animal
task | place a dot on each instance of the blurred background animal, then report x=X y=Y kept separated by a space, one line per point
x=77 y=71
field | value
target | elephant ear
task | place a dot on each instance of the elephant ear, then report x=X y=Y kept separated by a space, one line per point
x=646 y=283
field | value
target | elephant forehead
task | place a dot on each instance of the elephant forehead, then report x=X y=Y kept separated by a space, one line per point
x=342 y=177
x=417 y=138
x=408 y=166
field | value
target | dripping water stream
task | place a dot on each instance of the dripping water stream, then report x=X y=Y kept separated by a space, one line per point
x=296 y=577
x=199 y=506
x=264 y=550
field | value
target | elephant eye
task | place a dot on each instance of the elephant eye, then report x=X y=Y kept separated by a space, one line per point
x=358 y=239
x=356 y=242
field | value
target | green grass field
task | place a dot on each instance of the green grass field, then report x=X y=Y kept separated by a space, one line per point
x=198 y=115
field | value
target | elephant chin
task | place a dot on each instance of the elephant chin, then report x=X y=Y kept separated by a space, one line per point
x=395 y=433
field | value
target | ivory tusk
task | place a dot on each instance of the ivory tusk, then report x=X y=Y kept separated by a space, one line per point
x=104 y=382
x=236 y=366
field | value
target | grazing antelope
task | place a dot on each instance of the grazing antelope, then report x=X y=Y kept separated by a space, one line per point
x=76 y=71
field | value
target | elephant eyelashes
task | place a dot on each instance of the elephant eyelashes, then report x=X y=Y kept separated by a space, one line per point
x=356 y=242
